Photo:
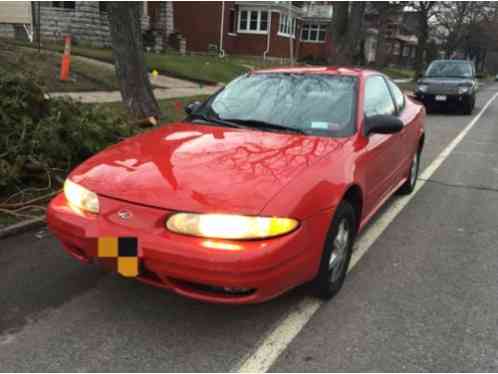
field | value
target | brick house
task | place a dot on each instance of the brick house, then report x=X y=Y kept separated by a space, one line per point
x=400 y=38
x=257 y=28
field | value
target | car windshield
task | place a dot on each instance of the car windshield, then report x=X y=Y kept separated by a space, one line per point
x=450 y=69
x=320 y=104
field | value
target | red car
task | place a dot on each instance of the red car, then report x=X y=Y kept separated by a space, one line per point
x=262 y=187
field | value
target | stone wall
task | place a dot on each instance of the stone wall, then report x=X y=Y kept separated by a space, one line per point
x=7 y=30
x=86 y=24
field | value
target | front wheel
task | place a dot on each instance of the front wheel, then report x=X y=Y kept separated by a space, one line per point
x=408 y=187
x=337 y=252
x=468 y=106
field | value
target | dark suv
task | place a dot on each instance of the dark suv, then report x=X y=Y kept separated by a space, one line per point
x=449 y=82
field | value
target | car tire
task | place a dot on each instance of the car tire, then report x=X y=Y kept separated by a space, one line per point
x=408 y=187
x=337 y=252
x=468 y=106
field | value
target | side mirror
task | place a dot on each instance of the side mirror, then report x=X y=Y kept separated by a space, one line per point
x=192 y=107
x=382 y=124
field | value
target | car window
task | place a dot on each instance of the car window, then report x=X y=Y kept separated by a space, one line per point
x=378 y=99
x=399 y=98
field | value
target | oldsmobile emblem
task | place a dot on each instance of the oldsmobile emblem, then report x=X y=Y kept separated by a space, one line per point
x=124 y=214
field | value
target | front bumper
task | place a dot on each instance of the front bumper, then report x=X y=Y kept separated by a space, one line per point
x=451 y=99
x=191 y=266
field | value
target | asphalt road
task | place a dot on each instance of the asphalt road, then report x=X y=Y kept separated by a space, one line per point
x=423 y=298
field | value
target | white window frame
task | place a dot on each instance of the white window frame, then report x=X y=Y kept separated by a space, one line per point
x=249 y=12
x=406 y=51
x=283 y=24
x=396 y=48
x=318 y=29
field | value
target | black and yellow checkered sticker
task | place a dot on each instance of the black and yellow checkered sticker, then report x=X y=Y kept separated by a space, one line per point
x=124 y=250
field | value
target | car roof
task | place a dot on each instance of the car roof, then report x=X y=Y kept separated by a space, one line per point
x=332 y=70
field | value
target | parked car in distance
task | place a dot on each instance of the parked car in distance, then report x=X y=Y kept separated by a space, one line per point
x=496 y=77
x=262 y=187
x=449 y=82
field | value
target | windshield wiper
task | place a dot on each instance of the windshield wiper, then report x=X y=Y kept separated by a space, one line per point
x=264 y=125
x=215 y=120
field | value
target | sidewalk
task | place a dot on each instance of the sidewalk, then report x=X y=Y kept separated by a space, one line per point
x=169 y=87
x=115 y=96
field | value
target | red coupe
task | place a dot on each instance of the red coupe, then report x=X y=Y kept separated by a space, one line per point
x=262 y=187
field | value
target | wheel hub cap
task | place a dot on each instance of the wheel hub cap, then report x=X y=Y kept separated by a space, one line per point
x=338 y=256
x=413 y=173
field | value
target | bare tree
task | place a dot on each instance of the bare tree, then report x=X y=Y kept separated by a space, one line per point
x=425 y=11
x=129 y=60
x=385 y=9
x=347 y=28
x=468 y=27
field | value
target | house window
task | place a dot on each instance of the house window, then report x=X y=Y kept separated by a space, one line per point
x=396 y=48
x=63 y=4
x=406 y=51
x=253 y=21
x=313 y=33
x=414 y=52
x=287 y=25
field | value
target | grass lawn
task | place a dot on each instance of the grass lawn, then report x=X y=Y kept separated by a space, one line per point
x=46 y=66
x=194 y=67
x=204 y=68
x=399 y=73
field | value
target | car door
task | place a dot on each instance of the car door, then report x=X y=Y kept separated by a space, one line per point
x=381 y=160
x=409 y=135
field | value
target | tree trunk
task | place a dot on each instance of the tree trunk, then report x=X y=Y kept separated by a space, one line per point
x=347 y=32
x=342 y=53
x=129 y=60
x=422 y=45
x=356 y=35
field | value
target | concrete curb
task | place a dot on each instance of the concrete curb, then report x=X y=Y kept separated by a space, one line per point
x=21 y=227
x=404 y=80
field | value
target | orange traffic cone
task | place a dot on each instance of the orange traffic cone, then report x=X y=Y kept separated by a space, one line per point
x=66 y=59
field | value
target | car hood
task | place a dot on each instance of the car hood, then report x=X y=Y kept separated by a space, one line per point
x=200 y=168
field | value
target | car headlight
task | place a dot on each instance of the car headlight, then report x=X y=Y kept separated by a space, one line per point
x=80 y=197
x=422 y=87
x=463 y=89
x=229 y=226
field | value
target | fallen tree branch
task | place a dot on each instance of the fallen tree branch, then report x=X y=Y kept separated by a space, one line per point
x=20 y=205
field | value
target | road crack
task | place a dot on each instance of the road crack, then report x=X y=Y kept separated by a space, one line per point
x=465 y=186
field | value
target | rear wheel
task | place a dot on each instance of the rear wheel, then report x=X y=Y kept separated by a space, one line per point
x=337 y=252
x=408 y=187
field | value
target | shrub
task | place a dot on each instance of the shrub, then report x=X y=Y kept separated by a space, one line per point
x=40 y=137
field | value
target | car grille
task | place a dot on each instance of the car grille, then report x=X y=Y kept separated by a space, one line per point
x=443 y=88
